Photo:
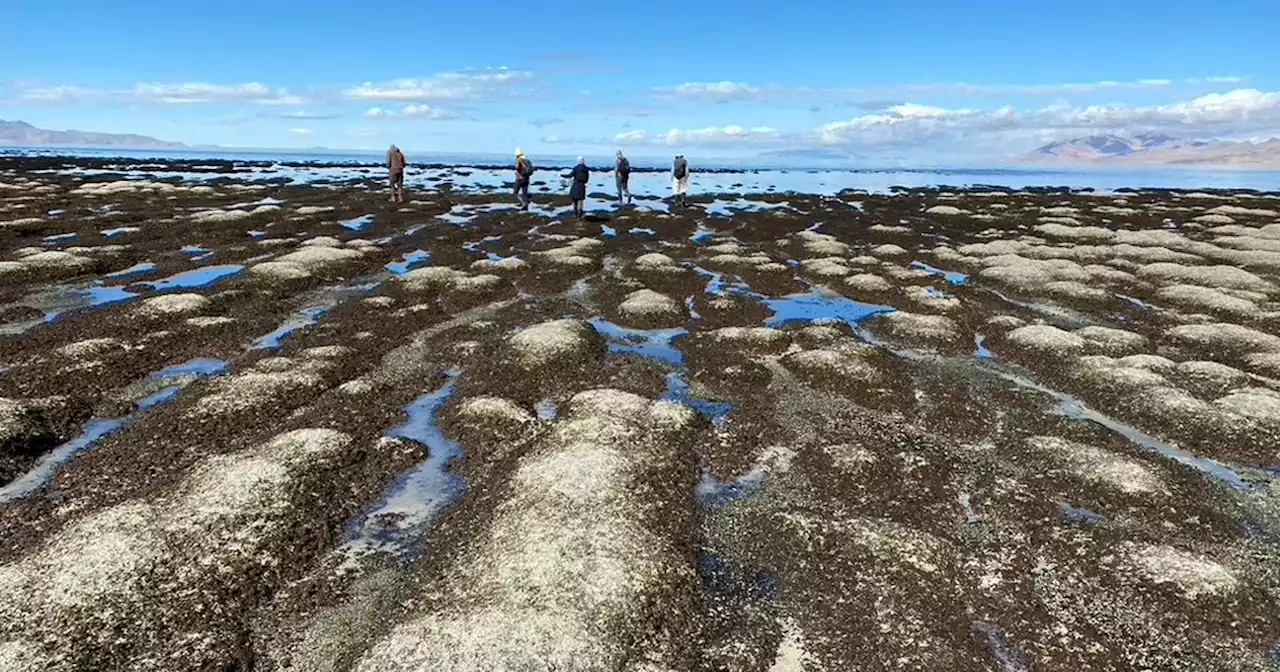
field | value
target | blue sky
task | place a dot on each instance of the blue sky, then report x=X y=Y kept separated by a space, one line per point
x=902 y=81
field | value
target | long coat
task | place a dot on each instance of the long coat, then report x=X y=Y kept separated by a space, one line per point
x=581 y=176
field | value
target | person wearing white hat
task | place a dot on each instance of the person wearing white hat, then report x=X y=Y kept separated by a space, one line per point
x=524 y=171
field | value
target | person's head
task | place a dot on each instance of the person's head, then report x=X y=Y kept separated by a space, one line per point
x=620 y=154
x=679 y=156
x=582 y=160
x=394 y=149
x=519 y=153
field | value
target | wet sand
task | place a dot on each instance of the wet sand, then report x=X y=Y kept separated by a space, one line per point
x=270 y=426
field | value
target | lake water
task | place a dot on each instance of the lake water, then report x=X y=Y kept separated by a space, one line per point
x=305 y=168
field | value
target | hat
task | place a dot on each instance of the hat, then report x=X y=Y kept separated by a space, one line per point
x=519 y=152
x=619 y=153
x=582 y=159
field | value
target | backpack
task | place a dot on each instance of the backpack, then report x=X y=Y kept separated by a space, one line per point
x=526 y=168
x=682 y=170
x=624 y=166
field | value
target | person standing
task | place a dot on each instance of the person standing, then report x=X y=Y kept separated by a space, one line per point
x=396 y=164
x=622 y=173
x=578 y=190
x=524 y=172
x=680 y=180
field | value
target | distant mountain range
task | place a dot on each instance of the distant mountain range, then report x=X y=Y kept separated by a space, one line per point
x=1159 y=149
x=22 y=134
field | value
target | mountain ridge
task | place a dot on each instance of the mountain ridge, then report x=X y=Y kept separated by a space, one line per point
x=23 y=134
x=1158 y=149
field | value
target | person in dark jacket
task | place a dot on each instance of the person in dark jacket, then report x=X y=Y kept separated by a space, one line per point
x=578 y=191
x=623 y=175
x=524 y=172
x=680 y=180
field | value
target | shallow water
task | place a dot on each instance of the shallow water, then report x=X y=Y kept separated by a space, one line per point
x=680 y=392
x=99 y=428
x=319 y=304
x=411 y=260
x=117 y=232
x=197 y=279
x=417 y=498
x=952 y=277
x=133 y=271
x=820 y=307
x=359 y=223
x=655 y=344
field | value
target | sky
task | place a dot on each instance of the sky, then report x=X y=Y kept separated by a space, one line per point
x=906 y=82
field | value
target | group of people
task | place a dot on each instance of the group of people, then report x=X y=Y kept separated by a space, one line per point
x=579 y=175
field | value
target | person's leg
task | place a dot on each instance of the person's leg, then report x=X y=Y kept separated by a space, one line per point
x=524 y=195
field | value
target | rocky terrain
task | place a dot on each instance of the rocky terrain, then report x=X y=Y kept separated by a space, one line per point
x=261 y=425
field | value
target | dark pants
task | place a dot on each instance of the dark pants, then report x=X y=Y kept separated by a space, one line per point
x=522 y=193
x=624 y=188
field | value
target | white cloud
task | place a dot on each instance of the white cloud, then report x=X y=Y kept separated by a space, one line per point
x=739 y=91
x=1241 y=111
x=190 y=93
x=715 y=135
x=302 y=114
x=426 y=112
x=471 y=85
x=300 y=131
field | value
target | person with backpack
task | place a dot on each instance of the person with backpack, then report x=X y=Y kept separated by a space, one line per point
x=680 y=180
x=524 y=171
x=395 y=165
x=578 y=191
x=622 y=173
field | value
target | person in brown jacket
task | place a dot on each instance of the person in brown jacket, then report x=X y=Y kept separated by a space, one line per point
x=524 y=171
x=396 y=164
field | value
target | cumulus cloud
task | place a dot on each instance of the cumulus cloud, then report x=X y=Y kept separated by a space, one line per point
x=423 y=112
x=166 y=94
x=471 y=85
x=312 y=116
x=1241 y=111
x=714 y=135
x=728 y=91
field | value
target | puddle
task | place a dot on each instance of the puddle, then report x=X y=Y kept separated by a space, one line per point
x=197 y=279
x=411 y=260
x=417 y=498
x=56 y=214
x=980 y=347
x=1136 y=303
x=60 y=300
x=94 y=431
x=546 y=410
x=691 y=306
x=718 y=286
x=116 y=233
x=680 y=392
x=820 y=307
x=60 y=238
x=359 y=223
x=937 y=293
x=320 y=304
x=1082 y=516
x=133 y=271
x=702 y=234
x=608 y=231
x=1076 y=409
x=99 y=428
x=655 y=344
x=1007 y=658
x=195 y=251
x=952 y=277
x=257 y=235
x=971 y=514
x=641 y=232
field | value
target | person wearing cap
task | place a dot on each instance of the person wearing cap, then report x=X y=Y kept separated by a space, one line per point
x=396 y=164
x=524 y=171
x=580 y=175
x=680 y=180
x=622 y=174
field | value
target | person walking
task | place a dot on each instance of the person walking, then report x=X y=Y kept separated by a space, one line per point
x=580 y=175
x=524 y=172
x=680 y=180
x=622 y=173
x=396 y=164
